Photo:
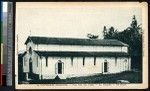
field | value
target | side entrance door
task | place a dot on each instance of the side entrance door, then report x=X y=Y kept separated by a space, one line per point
x=30 y=68
x=59 y=67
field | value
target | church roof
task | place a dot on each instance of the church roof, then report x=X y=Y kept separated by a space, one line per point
x=74 y=41
x=81 y=54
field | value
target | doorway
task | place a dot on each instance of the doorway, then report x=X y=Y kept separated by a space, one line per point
x=30 y=69
x=59 y=67
x=105 y=67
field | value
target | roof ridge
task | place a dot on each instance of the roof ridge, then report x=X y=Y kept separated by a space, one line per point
x=74 y=41
x=71 y=38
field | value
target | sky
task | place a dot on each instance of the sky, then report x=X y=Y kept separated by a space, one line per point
x=74 y=22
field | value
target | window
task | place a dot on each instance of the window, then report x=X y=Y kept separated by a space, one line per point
x=83 y=61
x=25 y=61
x=94 y=60
x=37 y=61
x=30 y=65
x=125 y=64
x=30 y=50
x=125 y=60
x=46 y=61
x=30 y=60
x=105 y=66
x=115 y=61
x=72 y=61
x=59 y=67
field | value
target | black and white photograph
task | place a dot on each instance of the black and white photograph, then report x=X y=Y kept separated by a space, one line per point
x=81 y=45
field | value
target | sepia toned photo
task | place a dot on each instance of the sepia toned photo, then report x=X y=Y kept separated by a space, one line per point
x=74 y=45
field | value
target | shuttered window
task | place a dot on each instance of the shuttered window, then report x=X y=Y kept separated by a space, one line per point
x=125 y=64
x=72 y=61
x=83 y=61
x=115 y=61
x=25 y=61
x=94 y=60
x=59 y=67
x=30 y=50
x=105 y=67
x=46 y=61
x=37 y=61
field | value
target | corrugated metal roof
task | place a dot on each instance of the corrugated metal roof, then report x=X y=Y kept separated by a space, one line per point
x=74 y=41
x=82 y=54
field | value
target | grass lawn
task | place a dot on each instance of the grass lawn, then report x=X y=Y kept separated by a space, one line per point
x=131 y=76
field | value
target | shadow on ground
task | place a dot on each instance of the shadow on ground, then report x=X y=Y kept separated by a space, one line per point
x=131 y=76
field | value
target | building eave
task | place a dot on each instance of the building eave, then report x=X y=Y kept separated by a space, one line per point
x=81 y=54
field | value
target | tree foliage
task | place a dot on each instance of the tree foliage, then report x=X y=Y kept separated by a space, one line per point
x=131 y=36
x=92 y=36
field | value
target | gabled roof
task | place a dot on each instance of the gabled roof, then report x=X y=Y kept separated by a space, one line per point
x=81 y=54
x=74 y=41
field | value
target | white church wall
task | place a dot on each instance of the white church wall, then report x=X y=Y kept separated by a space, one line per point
x=49 y=71
x=111 y=64
x=35 y=66
x=124 y=49
x=30 y=44
x=86 y=69
x=129 y=63
x=78 y=69
x=115 y=65
x=122 y=65
x=41 y=47
x=26 y=63
x=35 y=63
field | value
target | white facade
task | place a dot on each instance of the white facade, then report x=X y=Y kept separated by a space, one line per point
x=48 y=67
x=54 y=47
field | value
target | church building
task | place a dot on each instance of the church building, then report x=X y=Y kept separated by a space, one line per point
x=50 y=57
